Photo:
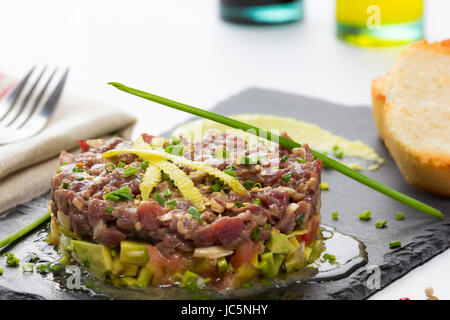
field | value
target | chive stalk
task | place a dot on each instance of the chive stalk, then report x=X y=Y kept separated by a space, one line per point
x=327 y=161
x=23 y=231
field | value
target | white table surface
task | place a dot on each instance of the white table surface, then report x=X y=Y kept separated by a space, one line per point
x=182 y=50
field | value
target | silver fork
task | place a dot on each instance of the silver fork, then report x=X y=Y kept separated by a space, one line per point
x=27 y=109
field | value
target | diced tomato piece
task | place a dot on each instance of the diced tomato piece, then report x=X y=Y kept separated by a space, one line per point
x=174 y=263
x=313 y=227
x=84 y=145
x=244 y=253
x=147 y=137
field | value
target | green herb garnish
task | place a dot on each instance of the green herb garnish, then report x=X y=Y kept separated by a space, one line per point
x=65 y=185
x=287 y=176
x=256 y=233
x=79 y=178
x=176 y=150
x=122 y=194
x=27 y=267
x=335 y=215
x=239 y=204
x=109 y=167
x=366 y=215
x=399 y=216
x=12 y=260
x=160 y=199
x=230 y=172
x=327 y=161
x=329 y=257
x=109 y=209
x=130 y=172
x=380 y=223
x=248 y=184
x=300 y=160
x=338 y=151
x=172 y=203
x=324 y=186
x=76 y=169
x=167 y=193
x=257 y=201
x=144 y=165
x=246 y=160
x=299 y=219
x=121 y=164
x=284 y=158
x=195 y=214
x=395 y=244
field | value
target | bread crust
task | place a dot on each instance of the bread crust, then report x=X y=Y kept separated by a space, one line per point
x=378 y=99
x=425 y=168
x=416 y=169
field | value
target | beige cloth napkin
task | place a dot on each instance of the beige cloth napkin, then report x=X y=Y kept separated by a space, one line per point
x=26 y=167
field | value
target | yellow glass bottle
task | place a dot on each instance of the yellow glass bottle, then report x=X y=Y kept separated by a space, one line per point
x=379 y=22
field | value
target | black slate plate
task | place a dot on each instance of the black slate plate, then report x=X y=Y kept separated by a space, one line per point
x=422 y=236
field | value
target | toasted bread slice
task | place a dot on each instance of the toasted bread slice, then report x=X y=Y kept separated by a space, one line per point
x=378 y=100
x=416 y=116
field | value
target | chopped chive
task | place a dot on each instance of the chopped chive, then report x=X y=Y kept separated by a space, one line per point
x=256 y=233
x=395 y=244
x=246 y=160
x=27 y=267
x=1 y=271
x=399 y=215
x=121 y=164
x=300 y=160
x=109 y=167
x=176 y=150
x=32 y=257
x=176 y=140
x=121 y=194
x=86 y=263
x=109 y=209
x=287 y=143
x=215 y=187
x=329 y=257
x=65 y=185
x=56 y=268
x=89 y=285
x=299 y=219
x=380 y=223
x=195 y=214
x=172 y=203
x=335 y=215
x=338 y=151
x=257 y=201
x=130 y=172
x=144 y=165
x=284 y=158
x=167 y=193
x=76 y=169
x=43 y=268
x=239 y=204
x=259 y=185
x=139 y=284
x=366 y=215
x=287 y=176
x=12 y=260
x=324 y=186
x=248 y=184
x=79 y=178
x=160 y=199
x=230 y=172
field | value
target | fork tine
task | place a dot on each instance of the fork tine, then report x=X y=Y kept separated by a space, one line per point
x=40 y=119
x=38 y=99
x=12 y=98
x=27 y=98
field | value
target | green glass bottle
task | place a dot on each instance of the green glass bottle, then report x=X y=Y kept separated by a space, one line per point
x=261 y=11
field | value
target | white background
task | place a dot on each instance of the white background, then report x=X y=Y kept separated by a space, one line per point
x=182 y=50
